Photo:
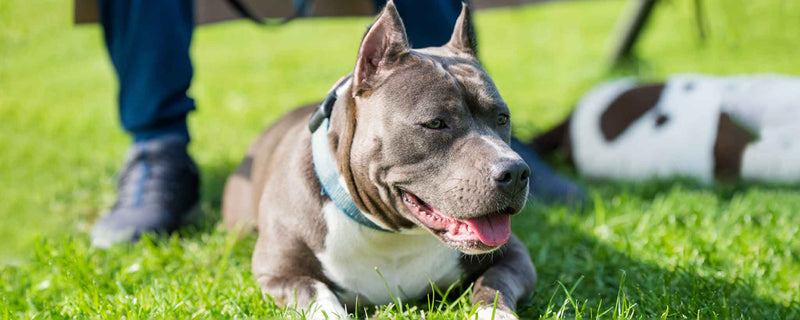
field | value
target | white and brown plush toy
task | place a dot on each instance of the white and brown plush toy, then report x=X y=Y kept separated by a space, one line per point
x=695 y=126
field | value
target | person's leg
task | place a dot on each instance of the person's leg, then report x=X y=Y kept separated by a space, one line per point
x=547 y=185
x=148 y=42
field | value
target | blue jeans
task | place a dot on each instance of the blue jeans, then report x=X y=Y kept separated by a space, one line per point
x=429 y=23
x=148 y=41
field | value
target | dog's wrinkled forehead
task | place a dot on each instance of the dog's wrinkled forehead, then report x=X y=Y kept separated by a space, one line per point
x=441 y=78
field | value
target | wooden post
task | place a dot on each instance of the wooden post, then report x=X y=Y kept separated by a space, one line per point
x=699 y=19
x=632 y=31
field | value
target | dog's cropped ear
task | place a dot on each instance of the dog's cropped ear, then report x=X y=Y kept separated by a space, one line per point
x=384 y=43
x=463 y=38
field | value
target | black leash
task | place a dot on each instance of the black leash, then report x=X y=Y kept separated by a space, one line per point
x=301 y=9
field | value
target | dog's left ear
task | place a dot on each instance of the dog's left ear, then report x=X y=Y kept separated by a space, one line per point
x=463 y=38
x=383 y=45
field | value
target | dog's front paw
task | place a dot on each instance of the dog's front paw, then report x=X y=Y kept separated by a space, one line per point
x=326 y=307
x=486 y=313
x=329 y=312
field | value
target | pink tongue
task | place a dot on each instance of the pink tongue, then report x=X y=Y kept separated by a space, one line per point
x=493 y=230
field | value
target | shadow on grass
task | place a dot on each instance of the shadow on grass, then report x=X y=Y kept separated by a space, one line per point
x=630 y=66
x=213 y=184
x=581 y=277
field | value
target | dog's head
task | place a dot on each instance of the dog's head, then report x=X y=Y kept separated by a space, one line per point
x=429 y=138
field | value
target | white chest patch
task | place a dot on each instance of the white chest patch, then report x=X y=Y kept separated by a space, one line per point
x=407 y=261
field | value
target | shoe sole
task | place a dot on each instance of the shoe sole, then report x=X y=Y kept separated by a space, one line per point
x=107 y=239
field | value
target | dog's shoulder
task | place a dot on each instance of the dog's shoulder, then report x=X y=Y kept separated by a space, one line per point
x=284 y=181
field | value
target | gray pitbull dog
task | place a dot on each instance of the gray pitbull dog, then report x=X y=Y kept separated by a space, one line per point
x=415 y=184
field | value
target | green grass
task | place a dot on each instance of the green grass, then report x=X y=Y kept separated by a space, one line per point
x=663 y=249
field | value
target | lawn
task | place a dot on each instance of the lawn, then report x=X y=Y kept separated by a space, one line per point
x=662 y=249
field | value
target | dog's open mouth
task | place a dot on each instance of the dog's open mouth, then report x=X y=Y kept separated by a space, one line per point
x=491 y=230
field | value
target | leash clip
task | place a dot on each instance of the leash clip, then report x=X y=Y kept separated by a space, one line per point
x=323 y=111
x=326 y=107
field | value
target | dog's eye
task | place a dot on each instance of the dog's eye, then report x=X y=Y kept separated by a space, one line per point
x=435 y=124
x=502 y=119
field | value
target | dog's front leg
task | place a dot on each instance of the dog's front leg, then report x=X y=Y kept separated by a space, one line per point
x=509 y=278
x=308 y=296
x=291 y=275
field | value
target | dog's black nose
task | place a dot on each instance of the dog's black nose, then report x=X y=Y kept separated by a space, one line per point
x=511 y=175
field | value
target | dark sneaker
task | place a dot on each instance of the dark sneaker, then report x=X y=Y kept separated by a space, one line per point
x=547 y=185
x=157 y=191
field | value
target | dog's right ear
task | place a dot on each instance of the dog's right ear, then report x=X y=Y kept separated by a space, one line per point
x=463 y=38
x=384 y=43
